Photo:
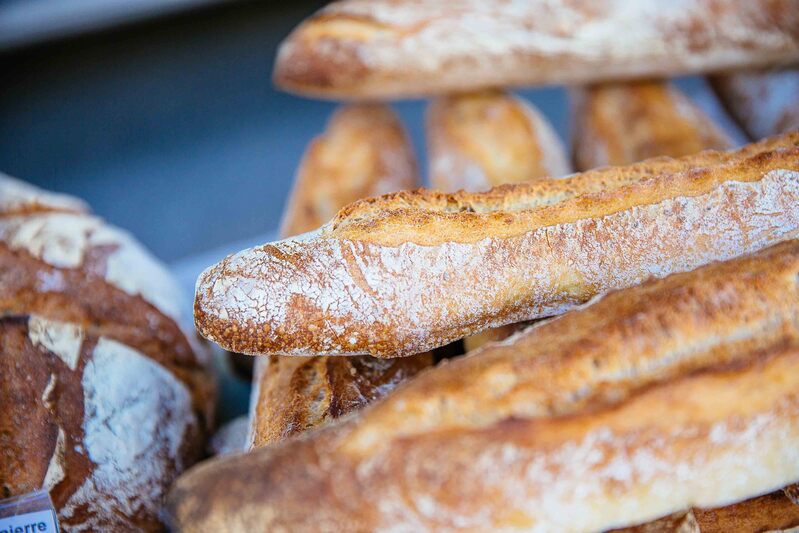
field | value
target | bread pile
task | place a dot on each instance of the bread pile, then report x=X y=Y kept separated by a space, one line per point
x=105 y=398
x=631 y=333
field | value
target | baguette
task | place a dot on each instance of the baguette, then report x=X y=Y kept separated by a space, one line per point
x=678 y=393
x=480 y=140
x=621 y=123
x=364 y=151
x=763 y=102
x=476 y=141
x=390 y=49
x=404 y=273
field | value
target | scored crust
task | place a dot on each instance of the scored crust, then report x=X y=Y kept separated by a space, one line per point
x=676 y=393
x=404 y=273
x=624 y=122
x=389 y=49
x=108 y=399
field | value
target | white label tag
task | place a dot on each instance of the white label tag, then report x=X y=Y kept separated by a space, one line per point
x=36 y=522
x=28 y=513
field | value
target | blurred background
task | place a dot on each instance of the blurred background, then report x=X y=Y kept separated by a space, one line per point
x=161 y=114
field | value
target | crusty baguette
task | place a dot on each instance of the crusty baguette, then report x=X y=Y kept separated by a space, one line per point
x=764 y=102
x=620 y=123
x=476 y=141
x=403 y=273
x=677 y=393
x=480 y=140
x=363 y=152
x=391 y=48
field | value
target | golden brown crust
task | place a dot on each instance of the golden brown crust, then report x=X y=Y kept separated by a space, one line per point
x=768 y=513
x=674 y=394
x=404 y=273
x=763 y=101
x=299 y=393
x=479 y=140
x=105 y=399
x=363 y=152
x=620 y=123
x=389 y=49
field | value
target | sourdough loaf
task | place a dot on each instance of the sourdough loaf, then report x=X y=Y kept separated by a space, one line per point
x=390 y=48
x=677 y=393
x=105 y=398
x=404 y=273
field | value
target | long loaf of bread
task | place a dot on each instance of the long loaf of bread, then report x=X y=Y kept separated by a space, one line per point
x=390 y=48
x=364 y=151
x=764 y=102
x=403 y=273
x=479 y=140
x=621 y=123
x=677 y=393
x=476 y=141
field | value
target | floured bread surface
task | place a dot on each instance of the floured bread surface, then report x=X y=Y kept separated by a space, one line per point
x=619 y=123
x=389 y=49
x=18 y=197
x=100 y=425
x=765 y=102
x=106 y=398
x=675 y=394
x=364 y=151
x=404 y=273
x=480 y=140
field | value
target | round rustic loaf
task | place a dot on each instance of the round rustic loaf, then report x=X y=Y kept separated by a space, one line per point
x=105 y=398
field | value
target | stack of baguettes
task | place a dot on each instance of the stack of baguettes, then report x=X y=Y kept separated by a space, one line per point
x=663 y=395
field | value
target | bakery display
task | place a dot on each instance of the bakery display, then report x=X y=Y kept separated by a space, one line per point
x=764 y=102
x=479 y=140
x=392 y=49
x=618 y=123
x=105 y=398
x=363 y=152
x=673 y=394
x=404 y=273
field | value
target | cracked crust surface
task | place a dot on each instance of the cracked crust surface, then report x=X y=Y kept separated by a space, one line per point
x=389 y=49
x=678 y=393
x=364 y=151
x=403 y=273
